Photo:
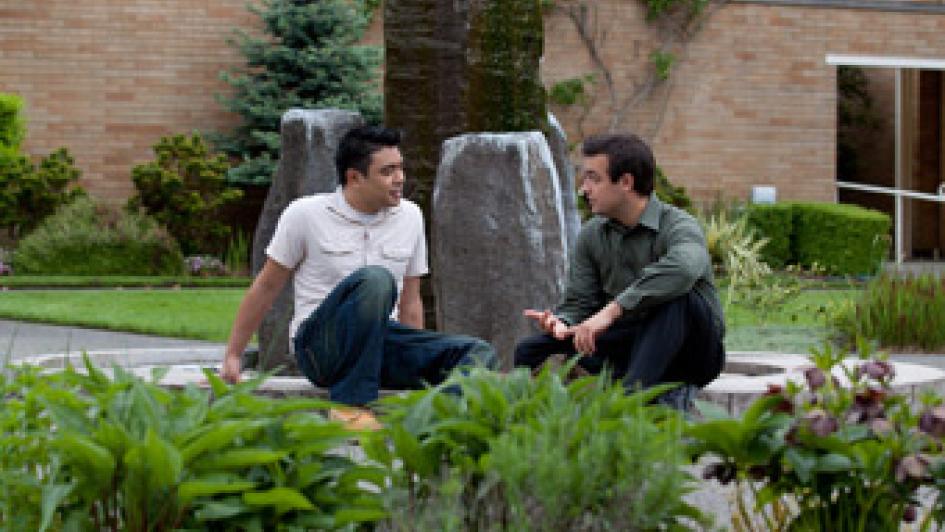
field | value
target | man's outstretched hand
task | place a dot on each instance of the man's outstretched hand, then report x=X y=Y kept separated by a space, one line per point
x=231 y=369
x=550 y=323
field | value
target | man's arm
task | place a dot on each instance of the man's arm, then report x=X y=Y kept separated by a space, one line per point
x=411 y=304
x=256 y=303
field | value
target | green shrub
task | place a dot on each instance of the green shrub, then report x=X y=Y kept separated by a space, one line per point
x=185 y=189
x=83 y=451
x=515 y=453
x=670 y=193
x=843 y=239
x=825 y=455
x=84 y=238
x=902 y=313
x=775 y=223
x=12 y=127
x=306 y=56
x=28 y=193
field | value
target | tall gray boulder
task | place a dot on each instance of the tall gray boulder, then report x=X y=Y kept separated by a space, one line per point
x=500 y=241
x=306 y=166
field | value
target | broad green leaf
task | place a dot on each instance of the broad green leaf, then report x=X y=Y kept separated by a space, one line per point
x=192 y=489
x=834 y=463
x=801 y=464
x=217 y=385
x=157 y=461
x=53 y=495
x=87 y=455
x=215 y=439
x=225 y=509
x=346 y=516
x=243 y=457
x=281 y=499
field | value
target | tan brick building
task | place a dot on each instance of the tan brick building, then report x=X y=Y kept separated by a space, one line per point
x=753 y=100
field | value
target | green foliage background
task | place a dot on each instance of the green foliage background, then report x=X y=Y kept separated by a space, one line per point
x=185 y=190
x=308 y=58
x=84 y=238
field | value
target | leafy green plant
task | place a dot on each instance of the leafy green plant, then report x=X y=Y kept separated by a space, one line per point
x=844 y=239
x=842 y=451
x=83 y=451
x=774 y=222
x=897 y=312
x=487 y=451
x=29 y=193
x=308 y=58
x=86 y=238
x=570 y=91
x=236 y=258
x=12 y=126
x=185 y=190
x=663 y=63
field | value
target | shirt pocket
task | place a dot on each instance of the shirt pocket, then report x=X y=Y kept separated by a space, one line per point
x=340 y=257
x=395 y=259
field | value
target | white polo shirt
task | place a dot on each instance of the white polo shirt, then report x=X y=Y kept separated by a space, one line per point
x=323 y=239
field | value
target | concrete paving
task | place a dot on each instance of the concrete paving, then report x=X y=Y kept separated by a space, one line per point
x=20 y=339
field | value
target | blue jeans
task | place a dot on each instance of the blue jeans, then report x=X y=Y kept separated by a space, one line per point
x=351 y=346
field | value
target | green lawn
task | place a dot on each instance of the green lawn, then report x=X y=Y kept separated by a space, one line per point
x=207 y=314
x=112 y=281
x=201 y=313
x=793 y=328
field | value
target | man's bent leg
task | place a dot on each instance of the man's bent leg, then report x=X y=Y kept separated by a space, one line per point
x=534 y=350
x=341 y=345
x=414 y=357
x=677 y=342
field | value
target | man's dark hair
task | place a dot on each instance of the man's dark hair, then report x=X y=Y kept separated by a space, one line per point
x=626 y=154
x=357 y=146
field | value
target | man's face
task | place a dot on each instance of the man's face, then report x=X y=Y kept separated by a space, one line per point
x=384 y=184
x=604 y=197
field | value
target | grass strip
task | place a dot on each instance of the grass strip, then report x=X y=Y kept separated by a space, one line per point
x=199 y=313
x=113 y=281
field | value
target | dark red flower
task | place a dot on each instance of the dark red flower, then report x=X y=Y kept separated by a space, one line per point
x=911 y=467
x=909 y=514
x=815 y=378
x=932 y=421
x=821 y=423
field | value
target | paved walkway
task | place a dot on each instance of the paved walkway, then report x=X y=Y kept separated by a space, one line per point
x=22 y=339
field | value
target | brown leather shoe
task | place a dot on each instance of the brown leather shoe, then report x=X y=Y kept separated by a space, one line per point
x=355 y=418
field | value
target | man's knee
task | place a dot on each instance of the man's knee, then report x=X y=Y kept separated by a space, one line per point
x=530 y=352
x=483 y=354
x=374 y=278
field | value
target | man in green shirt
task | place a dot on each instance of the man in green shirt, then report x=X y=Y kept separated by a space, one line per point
x=640 y=295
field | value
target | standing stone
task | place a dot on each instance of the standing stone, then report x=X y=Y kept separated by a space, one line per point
x=306 y=166
x=558 y=143
x=500 y=246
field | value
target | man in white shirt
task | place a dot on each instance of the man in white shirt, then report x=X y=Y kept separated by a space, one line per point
x=352 y=252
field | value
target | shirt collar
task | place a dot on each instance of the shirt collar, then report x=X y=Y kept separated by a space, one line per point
x=340 y=206
x=650 y=218
x=651 y=214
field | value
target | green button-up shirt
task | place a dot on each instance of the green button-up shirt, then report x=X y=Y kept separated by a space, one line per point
x=660 y=258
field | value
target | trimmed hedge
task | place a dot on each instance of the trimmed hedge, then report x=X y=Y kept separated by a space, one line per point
x=84 y=238
x=843 y=239
x=776 y=223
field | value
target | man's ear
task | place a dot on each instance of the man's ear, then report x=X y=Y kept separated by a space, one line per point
x=352 y=175
x=626 y=182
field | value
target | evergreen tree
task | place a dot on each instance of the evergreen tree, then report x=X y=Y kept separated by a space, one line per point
x=308 y=58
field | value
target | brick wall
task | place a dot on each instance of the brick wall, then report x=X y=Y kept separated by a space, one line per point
x=752 y=102
x=108 y=78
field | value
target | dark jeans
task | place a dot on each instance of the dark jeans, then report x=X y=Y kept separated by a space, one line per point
x=675 y=342
x=350 y=345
